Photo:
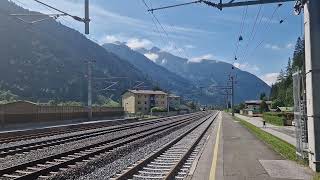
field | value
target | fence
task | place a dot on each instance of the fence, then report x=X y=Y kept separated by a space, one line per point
x=300 y=116
x=28 y=112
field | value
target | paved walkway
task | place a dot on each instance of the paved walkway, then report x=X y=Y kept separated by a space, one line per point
x=286 y=133
x=241 y=156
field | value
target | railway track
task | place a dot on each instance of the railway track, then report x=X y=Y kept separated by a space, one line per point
x=172 y=161
x=22 y=148
x=38 y=133
x=44 y=167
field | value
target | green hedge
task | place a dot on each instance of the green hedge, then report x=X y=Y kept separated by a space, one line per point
x=277 y=119
x=158 y=109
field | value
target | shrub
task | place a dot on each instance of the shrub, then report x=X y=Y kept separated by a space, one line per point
x=274 y=118
x=158 y=109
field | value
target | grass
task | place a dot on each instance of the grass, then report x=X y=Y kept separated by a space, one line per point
x=273 y=118
x=285 y=149
x=316 y=176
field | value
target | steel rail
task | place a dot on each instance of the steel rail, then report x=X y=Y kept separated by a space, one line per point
x=11 y=150
x=65 y=129
x=55 y=162
x=131 y=171
x=52 y=132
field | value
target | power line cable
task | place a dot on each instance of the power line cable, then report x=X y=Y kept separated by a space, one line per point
x=163 y=29
x=266 y=31
x=245 y=10
x=155 y=24
x=253 y=30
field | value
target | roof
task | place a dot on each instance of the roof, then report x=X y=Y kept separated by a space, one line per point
x=146 y=92
x=286 y=109
x=174 y=96
x=256 y=102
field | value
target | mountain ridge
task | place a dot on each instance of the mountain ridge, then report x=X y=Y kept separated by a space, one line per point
x=46 y=60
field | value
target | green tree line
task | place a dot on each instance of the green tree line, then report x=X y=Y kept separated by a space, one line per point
x=282 y=91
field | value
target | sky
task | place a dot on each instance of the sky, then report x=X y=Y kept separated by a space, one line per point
x=194 y=31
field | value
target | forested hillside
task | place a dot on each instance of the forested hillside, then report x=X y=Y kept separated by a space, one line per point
x=47 y=61
x=282 y=90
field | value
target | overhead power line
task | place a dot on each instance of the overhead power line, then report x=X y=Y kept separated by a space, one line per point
x=253 y=31
x=221 y=5
x=244 y=14
x=265 y=32
x=158 y=23
x=85 y=20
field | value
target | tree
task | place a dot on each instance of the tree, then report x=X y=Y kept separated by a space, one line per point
x=53 y=102
x=277 y=103
x=282 y=91
x=281 y=76
x=193 y=105
x=7 y=96
x=263 y=107
x=157 y=88
x=241 y=106
x=298 y=55
x=107 y=102
x=289 y=68
x=263 y=96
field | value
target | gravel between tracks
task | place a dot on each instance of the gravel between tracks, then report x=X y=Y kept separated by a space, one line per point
x=104 y=168
x=4 y=145
x=47 y=151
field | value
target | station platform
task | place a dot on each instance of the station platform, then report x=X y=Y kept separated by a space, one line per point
x=233 y=153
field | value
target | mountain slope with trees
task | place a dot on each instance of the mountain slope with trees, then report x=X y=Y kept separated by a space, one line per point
x=208 y=73
x=47 y=60
x=163 y=77
x=282 y=90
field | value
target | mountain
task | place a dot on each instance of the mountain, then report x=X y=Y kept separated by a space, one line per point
x=46 y=60
x=208 y=73
x=163 y=77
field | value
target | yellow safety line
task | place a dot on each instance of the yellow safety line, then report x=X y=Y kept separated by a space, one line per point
x=215 y=155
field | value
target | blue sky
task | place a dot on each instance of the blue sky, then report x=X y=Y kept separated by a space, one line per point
x=194 y=31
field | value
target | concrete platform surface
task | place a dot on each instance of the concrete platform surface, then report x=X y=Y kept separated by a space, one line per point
x=286 y=133
x=241 y=156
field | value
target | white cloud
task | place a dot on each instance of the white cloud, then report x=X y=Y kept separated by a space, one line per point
x=289 y=45
x=279 y=47
x=135 y=43
x=272 y=46
x=152 y=56
x=104 y=20
x=247 y=67
x=109 y=39
x=270 y=78
x=189 y=46
x=164 y=61
x=173 y=49
x=201 y=58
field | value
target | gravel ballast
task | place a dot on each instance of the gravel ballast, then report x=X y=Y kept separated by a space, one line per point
x=47 y=151
x=105 y=167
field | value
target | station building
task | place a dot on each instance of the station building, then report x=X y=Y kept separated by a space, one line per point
x=252 y=107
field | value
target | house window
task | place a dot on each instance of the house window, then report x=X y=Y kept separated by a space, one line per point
x=139 y=96
x=145 y=108
x=145 y=96
x=139 y=102
x=162 y=102
x=145 y=102
x=139 y=108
